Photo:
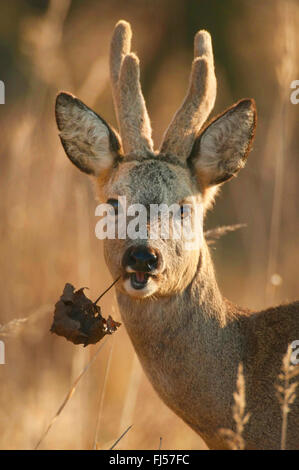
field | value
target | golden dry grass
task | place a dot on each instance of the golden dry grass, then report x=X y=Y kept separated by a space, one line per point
x=47 y=213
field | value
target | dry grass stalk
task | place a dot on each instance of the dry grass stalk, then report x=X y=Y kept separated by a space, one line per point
x=286 y=392
x=235 y=438
x=285 y=71
x=15 y=326
x=294 y=372
x=42 y=41
x=69 y=395
x=215 y=233
x=130 y=398
x=96 y=436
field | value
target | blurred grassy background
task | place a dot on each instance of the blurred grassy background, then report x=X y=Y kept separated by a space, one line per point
x=47 y=206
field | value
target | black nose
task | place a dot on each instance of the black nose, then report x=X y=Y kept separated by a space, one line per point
x=141 y=259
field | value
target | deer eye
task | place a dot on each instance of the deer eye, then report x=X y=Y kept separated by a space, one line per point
x=114 y=203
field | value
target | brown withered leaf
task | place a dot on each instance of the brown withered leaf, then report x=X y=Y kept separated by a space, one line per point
x=79 y=319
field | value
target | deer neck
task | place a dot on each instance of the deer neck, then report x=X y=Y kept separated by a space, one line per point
x=184 y=342
x=172 y=321
x=188 y=347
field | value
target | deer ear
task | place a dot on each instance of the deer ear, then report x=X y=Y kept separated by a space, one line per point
x=222 y=148
x=89 y=142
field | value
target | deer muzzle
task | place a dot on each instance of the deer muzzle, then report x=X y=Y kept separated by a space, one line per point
x=140 y=263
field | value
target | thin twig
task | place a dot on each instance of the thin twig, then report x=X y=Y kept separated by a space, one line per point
x=69 y=394
x=114 y=282
x=123 y=434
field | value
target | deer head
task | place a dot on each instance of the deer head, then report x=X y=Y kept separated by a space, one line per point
x=192 y=162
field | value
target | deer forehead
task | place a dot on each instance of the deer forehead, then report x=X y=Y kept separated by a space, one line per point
x=150 y=181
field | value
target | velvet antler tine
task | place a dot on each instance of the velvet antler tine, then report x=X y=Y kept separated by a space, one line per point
x=120 y=47
x=133 y=120
x=135 y=125
x=198 y=103
x=203 y=45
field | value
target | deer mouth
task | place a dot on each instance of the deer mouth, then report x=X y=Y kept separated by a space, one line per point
x=139 y=279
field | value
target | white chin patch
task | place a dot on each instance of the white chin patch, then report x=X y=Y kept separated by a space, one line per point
x=146 y=291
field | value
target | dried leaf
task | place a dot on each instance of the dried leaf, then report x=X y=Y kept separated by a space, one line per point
x=79 y=319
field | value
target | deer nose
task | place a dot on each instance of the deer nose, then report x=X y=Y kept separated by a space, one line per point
x=141 y=259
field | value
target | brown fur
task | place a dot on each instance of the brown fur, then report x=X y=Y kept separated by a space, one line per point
x=133 y=119
x=189 y=339
x=190 y=346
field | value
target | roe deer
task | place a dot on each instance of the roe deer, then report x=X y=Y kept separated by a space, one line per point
x=189 y=339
